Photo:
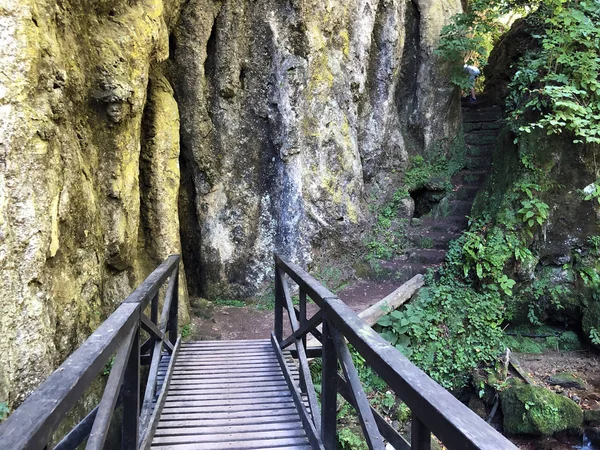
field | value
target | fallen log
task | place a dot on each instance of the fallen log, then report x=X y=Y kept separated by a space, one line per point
x=393 y=301
x=384 y=306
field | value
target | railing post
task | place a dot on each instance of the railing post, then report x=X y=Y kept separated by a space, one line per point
x=174 y=311
x=302 y=321
x=131 y=395
x=420 y=436
x=278 y=329
x=329 y=389
x=154 y=319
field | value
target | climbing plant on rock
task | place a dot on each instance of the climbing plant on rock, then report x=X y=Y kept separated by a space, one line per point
x=560 y=81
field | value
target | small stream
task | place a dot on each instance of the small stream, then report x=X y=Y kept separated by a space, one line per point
x=587 y=445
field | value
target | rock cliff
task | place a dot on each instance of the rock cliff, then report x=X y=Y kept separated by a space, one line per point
x=130 y=130
x=295 y=116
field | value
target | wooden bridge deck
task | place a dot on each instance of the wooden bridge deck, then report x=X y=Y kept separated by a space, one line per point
x=229 y=395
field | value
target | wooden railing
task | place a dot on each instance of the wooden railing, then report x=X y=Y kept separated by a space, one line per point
x=434 y=410
x=31 y=426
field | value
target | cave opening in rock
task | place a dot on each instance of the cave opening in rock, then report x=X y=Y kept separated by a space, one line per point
x=425 y=200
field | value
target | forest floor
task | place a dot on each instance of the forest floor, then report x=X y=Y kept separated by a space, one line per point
x=255 y=321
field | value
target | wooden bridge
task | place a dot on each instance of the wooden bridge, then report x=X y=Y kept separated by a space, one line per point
x=216 y=395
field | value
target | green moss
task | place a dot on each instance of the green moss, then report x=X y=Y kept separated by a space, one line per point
x=591 y=416
x=535 y=410
x=519 y=340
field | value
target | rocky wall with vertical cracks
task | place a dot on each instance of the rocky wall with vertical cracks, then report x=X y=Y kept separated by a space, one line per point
x=297 y=115
x=86 y=210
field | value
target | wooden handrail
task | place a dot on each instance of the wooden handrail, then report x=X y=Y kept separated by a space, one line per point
x=434 y=409
x=30 y=426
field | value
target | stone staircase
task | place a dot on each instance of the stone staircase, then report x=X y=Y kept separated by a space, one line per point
x=428 y=236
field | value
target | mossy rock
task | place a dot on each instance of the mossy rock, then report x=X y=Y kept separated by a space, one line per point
x=204 y=308
x=535 y=410
x=567 y=380
x=591 y=416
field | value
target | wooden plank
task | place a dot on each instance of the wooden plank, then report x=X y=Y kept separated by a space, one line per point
x=271 y=444
x=131 y=397
x=239 y=358
x=387 y=431
x=229 y=364
x=217 y=379
x=248 y=427
x=365 y=416
x=250 y=436
x=111 y=392
x=151 y=385
x=169 y=294
x=301 y=332
x=145 y=435
x=245 y=407
x=154 y=332
x=305 y=416
x=255 y=343
x=228 y=395
x=244 y=404
x=306 y=384
x=233 y=390
x=223 y=384
x=228 y=422
x=276 y=412
x=329 y=390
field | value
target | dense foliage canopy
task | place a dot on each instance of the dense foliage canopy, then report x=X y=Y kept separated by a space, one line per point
x=556 y=85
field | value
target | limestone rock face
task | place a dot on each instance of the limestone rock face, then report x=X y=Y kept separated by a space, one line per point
x=73 y=91
x=294 y=116
x=223 y=129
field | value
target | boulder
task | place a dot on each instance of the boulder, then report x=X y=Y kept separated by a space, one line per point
x=567 y=380
x=591 y=416
x=535 y=410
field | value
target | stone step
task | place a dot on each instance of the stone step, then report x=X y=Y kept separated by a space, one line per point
x=406 y=271
x=487 y=137
x=460 y=207
x=479 y=162
x=469 y=127
x=400 y=270
x=471 y=177
x=465 y=192
x=481 y=107
x=450 y=224
x=426 y=255
x=480 y=150
x=425 y=238
x=470 y=116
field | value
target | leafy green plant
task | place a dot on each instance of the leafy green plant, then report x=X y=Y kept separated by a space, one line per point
x=350 y=440
x=229 y=302
x=533 y=211
x=4 y=411
x=558 y=83
x=108 y=366
x=594 y=242
x=448 y=330
x=595 y=336
x=186 y=331
x=592 y=192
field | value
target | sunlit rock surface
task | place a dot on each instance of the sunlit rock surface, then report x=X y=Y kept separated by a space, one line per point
x=225 y=130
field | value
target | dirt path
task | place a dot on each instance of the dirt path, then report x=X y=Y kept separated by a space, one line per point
x=238 y=323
